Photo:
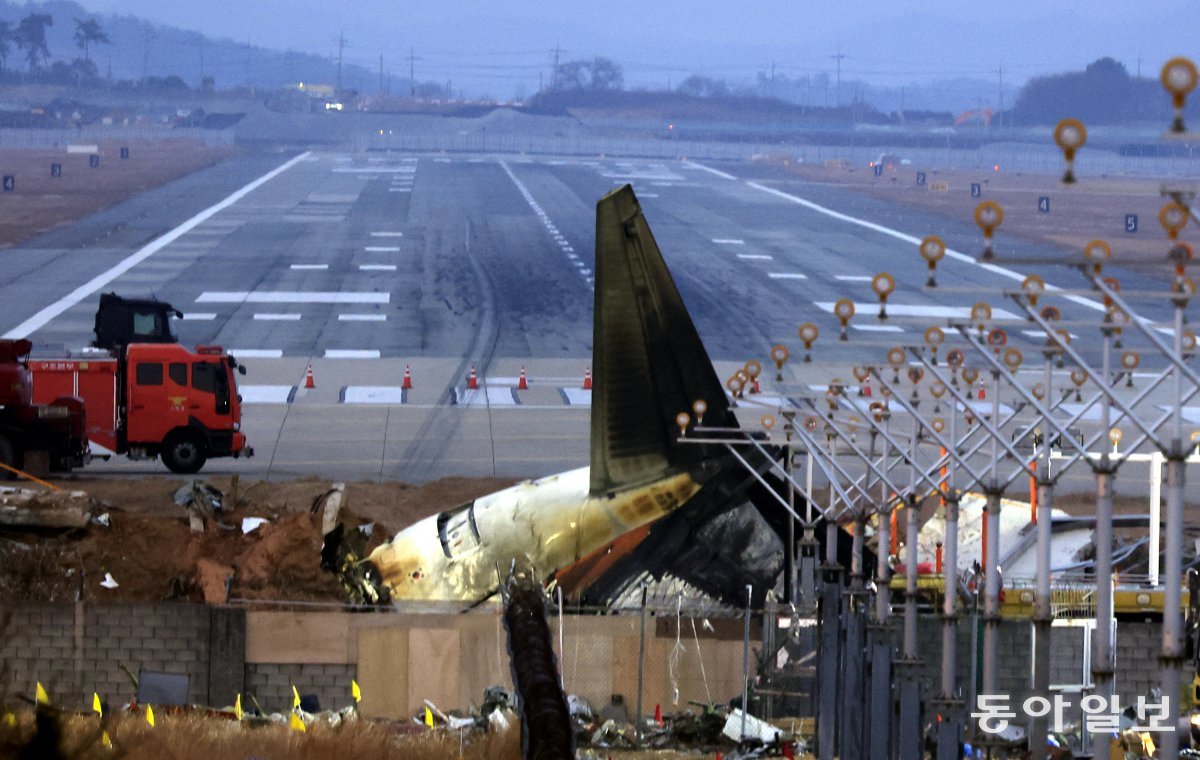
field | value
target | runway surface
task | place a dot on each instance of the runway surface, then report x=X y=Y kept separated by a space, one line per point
x=366 y=265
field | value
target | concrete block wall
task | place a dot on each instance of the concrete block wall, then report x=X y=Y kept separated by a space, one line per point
x=77 y=649
x=271 y=684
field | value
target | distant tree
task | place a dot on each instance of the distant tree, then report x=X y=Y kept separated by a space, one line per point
x=598 y=74
x=88 y=33
x=703 y=87
x=31 y=37
x=1103 y=93
x=6 y=38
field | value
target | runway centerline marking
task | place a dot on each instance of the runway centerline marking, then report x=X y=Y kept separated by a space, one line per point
x=787 y=276
x=877 y=328
x=290 y=296
x=39 y=320
x=310 y=266
x=199 y=316
x=362 y=317
x=729 y=241
x=256 y=353
x=852 y=277
x=377 y=267
x=278 y=317
x=387 y=234
x=755 y=257
x=382 y=248
x=1002 y=271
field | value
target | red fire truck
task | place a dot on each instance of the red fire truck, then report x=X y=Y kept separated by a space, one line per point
x=145 y=394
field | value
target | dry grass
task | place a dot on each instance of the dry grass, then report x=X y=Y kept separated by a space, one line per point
x=197 y=737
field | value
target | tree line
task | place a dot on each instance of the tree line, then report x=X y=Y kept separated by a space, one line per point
x=29 y=37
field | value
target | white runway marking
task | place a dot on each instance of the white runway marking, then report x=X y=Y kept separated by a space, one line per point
x=310 y=266
x=787 y=276
x=877 y=328
x=265 y=394
x=255 y=353
x=577 y=396
x=278 y=317
x=199 y=316
x=911 y=310
x=290 y=296
x=362 y=317
x=647 y=195
x=347 y=353
x=39 y=320
x=377 y=267
x=382 y=248
x=1002 y=271
x=399 y=189
x=372 y=394
x=728 y=241
x=710 y=170
x=500 y=396
x=852 y=277
x=387 y=234
x=755 y=257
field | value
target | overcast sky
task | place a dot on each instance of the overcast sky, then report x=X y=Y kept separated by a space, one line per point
x=496 y=46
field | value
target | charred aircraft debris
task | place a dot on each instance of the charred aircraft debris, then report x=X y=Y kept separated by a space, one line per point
x=647 y=508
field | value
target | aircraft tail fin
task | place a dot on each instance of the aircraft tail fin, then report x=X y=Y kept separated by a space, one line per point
x=648 y=362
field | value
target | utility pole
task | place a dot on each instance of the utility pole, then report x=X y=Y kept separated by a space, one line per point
x=557 y=53
x=412 y=73
x=1000 y=92
x=838 y=93
x=341 y=47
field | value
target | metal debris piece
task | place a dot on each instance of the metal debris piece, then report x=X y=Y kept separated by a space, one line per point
x=251 y=524
x=109 y=581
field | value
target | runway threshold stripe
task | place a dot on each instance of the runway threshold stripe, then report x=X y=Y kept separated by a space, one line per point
x=1002 y=271
x=39 y=320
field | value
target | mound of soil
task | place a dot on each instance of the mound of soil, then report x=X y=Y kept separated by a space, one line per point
x=151 y=552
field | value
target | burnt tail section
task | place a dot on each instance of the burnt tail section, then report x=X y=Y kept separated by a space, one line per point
x=648 y=362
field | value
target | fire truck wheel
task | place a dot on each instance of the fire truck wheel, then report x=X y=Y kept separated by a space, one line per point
x=8 y=456
x=184 y=452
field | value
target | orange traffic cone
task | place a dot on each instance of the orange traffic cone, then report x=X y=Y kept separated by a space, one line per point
x=472 y=381
x=522 y=384
x=982 y=391
x=787 y=751
x=308 y=378
x=754 y=387
x=407 y=384
x=658 y=715
x=587 y=379
x=866 y=391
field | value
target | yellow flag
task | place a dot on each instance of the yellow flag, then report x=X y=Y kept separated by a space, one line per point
x=237 y=707
x=106 y=740
x=295 y=698
x=10 y=720
x=296 y=723
x=150 y=715
x=355 y=691
x=41 y=697
x=428 y=717
x=96 y=706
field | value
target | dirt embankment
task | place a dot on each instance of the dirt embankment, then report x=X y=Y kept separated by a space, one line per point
x=40 y=201
x=151 y=552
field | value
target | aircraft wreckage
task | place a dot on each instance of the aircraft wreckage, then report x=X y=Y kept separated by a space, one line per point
x=647 y=507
